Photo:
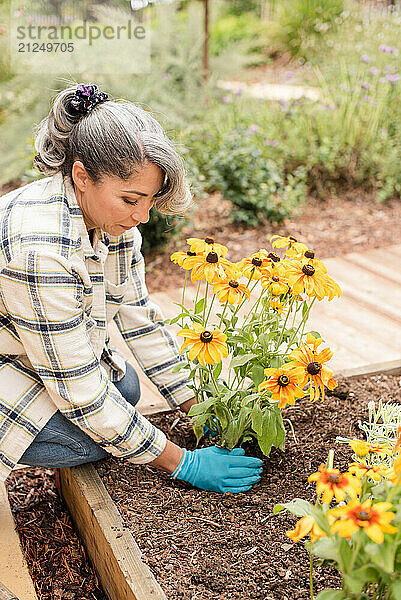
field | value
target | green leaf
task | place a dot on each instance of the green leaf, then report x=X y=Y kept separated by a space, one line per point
x=201 y=407
x=257 y=419
x=396 y=590
x=315 y=334
x=325 y=548
x=242 y=359
x=180 y=366
x=217 y=370
x=331 y=594
x=297 y=507
x=268 y=434
x=382 y=555
x=360 y=577
x=257 y=374
x=223 y=415
x=199 y=306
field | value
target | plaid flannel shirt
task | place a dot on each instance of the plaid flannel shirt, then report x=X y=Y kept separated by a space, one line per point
x=57 y=295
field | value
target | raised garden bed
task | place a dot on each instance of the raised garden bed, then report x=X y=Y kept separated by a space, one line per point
x=218 y=547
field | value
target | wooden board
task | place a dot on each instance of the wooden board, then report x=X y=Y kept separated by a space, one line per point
x=113 y=551
x=14 y=572
x=5 y=593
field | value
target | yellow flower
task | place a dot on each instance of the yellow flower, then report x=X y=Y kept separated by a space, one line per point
x=374 y=472
x=207 y=346
x=209 y=267
x=275 y=281
x=207 y=245
x=306 y=526
x=308 y=257
x=294 y=248
x=251 y=267
x=277 y=306
x=229 y=290
x=354 y=516
x=330 y=482
x=313 y=280
x=283 y=384
x=181 y=258
x=362 y=448
x=313 y=366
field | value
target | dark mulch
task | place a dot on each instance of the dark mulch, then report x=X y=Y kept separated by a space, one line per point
x=56 y=559
x=208 y=546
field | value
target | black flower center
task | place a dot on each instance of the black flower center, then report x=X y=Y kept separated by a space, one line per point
x=233 y=284
x=283 y=380
x=206 y=337
x=275 y=278
x=274 y=257
x=310 y=254
x=333 y=478
x=292 y=239
x=191 y=253
x=257 y=262
x=209 y=240
x=363 y=515
x=308 y=270
x=212 y=257
x=314 y=368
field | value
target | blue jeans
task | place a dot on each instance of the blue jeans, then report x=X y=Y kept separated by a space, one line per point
x=62 y=444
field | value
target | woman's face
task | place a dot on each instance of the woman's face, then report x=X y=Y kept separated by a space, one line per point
x=115 y=204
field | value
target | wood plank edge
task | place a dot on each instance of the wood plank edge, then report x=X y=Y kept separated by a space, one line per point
x=111 y=547
x=6 y=594
x=392 y=367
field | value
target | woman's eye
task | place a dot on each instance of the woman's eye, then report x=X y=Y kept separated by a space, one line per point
x=131 y=202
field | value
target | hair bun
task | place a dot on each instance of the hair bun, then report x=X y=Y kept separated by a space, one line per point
x=85 y=99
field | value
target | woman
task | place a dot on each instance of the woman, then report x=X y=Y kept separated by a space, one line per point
x=70 y=264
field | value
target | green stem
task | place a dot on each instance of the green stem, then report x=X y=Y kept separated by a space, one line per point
x=311 y=576
x=183 y=294
x=205 y=303
x=222 y=314
x=197 y=293
x=214 y=384
x=302 y=323
x=285 y=323
x=210 y=308
x=245 y=300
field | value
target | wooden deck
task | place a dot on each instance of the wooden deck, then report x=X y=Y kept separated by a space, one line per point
x=363 y=327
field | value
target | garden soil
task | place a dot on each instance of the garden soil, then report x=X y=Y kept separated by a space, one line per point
x=208 y=546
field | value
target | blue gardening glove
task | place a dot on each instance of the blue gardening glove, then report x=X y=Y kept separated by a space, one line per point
x=219 y=470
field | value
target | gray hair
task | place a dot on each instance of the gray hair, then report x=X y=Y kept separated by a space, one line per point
x=116 y=138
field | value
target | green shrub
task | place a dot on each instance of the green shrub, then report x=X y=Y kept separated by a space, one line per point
x=300 y=25
x=158 y=231
x=233 y=163
x=237 y=7
x=233 y=29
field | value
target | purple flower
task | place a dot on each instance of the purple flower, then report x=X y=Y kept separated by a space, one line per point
x=383 y=80
x=366 y=98
x=365 y=86
x=392 y=78
x=273 y=143
x=289 y=74
x=384 y=48
x=254 y=128
x=365 y=58
x=166 y=75
x=226 y=99
x=374 y=71
x=238 y=92
x=392 y=50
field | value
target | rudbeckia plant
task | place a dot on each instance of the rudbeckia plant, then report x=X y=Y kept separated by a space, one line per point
x=245 y=347
x=360 y=535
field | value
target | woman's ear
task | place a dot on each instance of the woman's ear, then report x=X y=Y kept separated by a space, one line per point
x=79 y=175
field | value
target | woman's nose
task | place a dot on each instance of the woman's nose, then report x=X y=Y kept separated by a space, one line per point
x=142 y=217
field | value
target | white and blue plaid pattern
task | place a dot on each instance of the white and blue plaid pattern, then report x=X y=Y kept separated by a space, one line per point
x=57 y=294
